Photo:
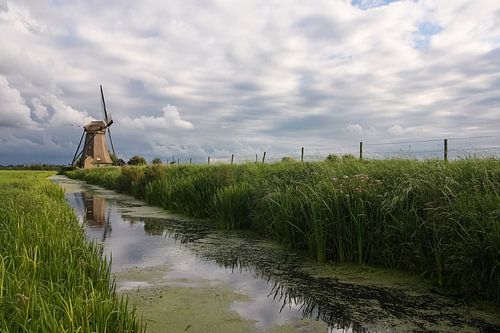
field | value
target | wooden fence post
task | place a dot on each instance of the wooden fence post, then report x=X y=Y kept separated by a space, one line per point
x=256 y=158
x=302 y=155
x=232 y=159
x=190 y=160
x=178 y=161
x=445 y=150
x=361 y=150
x=208 y=160
x=264 y=158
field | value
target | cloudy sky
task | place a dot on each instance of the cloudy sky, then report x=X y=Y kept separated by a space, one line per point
x=197 y=78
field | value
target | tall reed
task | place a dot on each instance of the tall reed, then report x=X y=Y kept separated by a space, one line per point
x=51 y=278
x=439 y=219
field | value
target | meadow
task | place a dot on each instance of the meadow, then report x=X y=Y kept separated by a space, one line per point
x=51 y=278
x=438 y=219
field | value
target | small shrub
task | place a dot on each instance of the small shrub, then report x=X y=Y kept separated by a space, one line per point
x=287 y=159
x=137 y=160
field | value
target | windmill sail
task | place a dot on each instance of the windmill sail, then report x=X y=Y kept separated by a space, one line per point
x=107 y=119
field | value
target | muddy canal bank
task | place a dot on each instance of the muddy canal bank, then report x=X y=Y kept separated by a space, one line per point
x=185 y=276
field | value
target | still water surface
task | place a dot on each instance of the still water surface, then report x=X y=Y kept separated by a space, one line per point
x=265 y=286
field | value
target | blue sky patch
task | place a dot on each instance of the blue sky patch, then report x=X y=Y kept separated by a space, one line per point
x=367 y=4
x=424 y=34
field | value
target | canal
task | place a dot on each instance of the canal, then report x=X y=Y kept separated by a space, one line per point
x=183 y=275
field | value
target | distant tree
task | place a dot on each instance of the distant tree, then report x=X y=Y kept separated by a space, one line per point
x=287 y=159
x=156 y=160
x=137 y=160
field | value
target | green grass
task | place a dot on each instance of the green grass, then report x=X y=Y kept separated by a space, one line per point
x=51 y=278
x=437 y=219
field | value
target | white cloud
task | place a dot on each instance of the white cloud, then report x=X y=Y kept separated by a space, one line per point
x=13 y=110
x=355 y=129
x=39 y=109
x=64 y=115
x=171 y=118
x=399 y=130
x=172 y=115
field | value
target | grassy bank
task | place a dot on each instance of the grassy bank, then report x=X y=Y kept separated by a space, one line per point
x=438 y=219
x=51 y=279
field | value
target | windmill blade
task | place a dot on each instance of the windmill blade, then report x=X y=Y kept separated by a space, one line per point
x=107 y=120
x=91 y=140
x=77 y=149
x=111 y=141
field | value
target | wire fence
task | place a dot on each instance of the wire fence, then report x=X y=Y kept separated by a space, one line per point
x=452 y=148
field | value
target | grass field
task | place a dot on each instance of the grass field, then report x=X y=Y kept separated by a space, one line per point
x=438 y=219
x=51 y=278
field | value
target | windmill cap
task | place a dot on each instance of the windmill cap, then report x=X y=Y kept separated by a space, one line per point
x=97 y=125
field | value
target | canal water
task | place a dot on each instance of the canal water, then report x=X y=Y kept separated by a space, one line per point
x=185 y=276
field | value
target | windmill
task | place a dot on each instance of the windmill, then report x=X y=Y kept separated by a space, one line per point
x=95 y=151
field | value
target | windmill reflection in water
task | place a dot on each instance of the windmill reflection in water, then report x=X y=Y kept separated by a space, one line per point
x=96 y=215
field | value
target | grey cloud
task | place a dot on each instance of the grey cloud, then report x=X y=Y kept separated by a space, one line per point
x=320 y=27
x=243 y=87
x=303 y=124
x=3 y=6
x=247 y=76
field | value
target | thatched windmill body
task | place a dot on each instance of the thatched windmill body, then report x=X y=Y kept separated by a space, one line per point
x=95 y=150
